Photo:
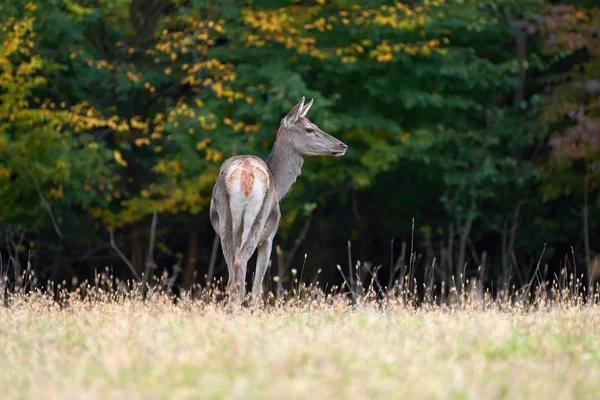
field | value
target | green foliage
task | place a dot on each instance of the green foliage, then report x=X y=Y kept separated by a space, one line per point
x=43 y=156
x=114 y=109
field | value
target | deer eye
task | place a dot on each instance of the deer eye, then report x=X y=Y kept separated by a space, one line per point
x=310 y=130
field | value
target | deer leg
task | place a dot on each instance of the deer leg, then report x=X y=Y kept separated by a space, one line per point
x=233 y=248
x=262 y=262
x=225 y=233
x=264 y=251
x=241 y=261
x=229 y=259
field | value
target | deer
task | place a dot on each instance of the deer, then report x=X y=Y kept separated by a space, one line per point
x=244 y=208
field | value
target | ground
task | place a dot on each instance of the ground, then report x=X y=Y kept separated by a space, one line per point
x=157 y=350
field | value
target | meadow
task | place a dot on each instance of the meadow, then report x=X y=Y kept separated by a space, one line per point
x=118 y=346
x=473 y=133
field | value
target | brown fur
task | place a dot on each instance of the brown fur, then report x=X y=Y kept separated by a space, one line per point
x=246 y=170
x=247 y=181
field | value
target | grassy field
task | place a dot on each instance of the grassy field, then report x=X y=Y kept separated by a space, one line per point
x=157 y=350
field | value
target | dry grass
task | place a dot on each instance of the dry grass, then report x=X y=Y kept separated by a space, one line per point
x=128 y=349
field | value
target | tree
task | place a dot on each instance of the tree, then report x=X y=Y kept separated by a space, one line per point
x=571 y=111
x=44 y=154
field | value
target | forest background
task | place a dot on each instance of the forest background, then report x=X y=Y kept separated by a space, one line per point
x=473 y=129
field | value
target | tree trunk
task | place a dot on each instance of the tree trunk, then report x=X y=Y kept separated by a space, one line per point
x=191 y=259
x=450 y=256
x=586 y=228
x=213 y=260
x=519 y=94
x=137 y=249
x=504 y=255
x=509 y=234
x=465 y=232
x=280 y=273
x=519 y=29
x=513 y=229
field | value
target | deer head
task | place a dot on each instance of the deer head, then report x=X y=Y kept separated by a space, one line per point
x=306 y=138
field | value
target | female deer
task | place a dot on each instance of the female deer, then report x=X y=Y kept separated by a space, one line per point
x=244 y=210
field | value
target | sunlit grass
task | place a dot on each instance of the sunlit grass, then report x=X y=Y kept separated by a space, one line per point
x=120 y=347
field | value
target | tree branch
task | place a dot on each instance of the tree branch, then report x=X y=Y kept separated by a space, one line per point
x=299 y=240
x=123 y=256
x=150 y=263
x=44 y=201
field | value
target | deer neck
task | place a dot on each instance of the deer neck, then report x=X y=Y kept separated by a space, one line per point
x=285 y=164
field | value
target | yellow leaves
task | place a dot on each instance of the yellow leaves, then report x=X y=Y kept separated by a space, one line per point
x=250 y=128
x=56 y=193
x=404 y=8
x=170 y=167
x=280 y=26
x=226 y=92
x=123 y=126
x=238 y=126
x=105 y=64
x=384 y=52
x=204 y=124
x=286 y=27
x=16 y=39
x=253 y=40
x=132 y=76
x=150 y=87
x=119 y=158
x=218 y=89
x=203 y=144
x=266 y=21
x=219 y=72
x=192 y=35
x=20 y=77
x=5 y=172
x=137 y=123
x=139 y=142
x=96 y=212
x=385 y=57
x=77 y=10
x=60 y=164
x=213 y=155
x=30 y=7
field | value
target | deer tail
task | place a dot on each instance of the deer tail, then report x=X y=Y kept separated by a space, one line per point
x=250 y=238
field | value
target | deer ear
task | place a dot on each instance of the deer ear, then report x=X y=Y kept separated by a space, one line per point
x=306 y=108
x=294 y=114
